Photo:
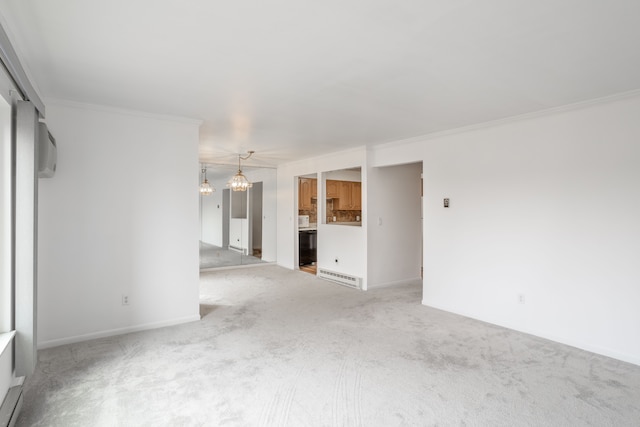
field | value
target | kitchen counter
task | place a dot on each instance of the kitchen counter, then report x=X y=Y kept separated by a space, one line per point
x=312 y=226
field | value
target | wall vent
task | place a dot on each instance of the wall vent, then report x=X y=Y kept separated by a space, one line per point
x=340 y=278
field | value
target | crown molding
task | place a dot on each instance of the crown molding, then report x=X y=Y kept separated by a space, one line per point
x=124 y=111
x=511 y=119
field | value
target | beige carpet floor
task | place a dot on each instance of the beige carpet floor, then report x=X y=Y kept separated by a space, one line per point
x=282 y=348
x=212 y=256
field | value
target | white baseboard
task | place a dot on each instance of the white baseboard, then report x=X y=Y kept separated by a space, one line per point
x=629 y=358
x=119 y=331
x=411 y=280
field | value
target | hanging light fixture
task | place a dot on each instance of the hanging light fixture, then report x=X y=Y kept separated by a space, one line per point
x=239 y=182
x=205 y=188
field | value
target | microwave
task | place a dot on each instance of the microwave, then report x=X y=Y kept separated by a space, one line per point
x=303 y=221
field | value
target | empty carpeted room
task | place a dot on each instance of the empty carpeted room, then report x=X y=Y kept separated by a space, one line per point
x=356 y=213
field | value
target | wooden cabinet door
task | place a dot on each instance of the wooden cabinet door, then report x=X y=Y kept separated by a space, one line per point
x=356 y=196
x=314 y=188
x=344 y=195
x=347 y=195
x=304 y=194
x=332 y=189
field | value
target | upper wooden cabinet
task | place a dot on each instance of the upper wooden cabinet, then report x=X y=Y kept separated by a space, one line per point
x=346 y=195
x=356 y=196
x=307 y=190
x=332 y=189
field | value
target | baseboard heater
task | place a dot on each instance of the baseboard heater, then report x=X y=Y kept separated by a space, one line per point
x=340 y=278
x=11 y=407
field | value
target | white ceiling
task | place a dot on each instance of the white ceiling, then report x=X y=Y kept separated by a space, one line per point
x=294 y=78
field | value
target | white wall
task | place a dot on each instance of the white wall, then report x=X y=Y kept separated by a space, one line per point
x=347 y=243
x=6 y=225
x=211 y=216
x=6 y=367
x=545 y=207
x=395 y=225
x=344 y=175
x=6 y=294
x=110 y=226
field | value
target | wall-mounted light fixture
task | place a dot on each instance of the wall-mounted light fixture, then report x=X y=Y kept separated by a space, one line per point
x=239 y=182
x=205 y=188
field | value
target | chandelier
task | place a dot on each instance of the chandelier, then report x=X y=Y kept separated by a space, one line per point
x=205 y=188
x=239 y=182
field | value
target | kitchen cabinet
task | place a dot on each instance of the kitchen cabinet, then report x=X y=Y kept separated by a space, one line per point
x=349 y=196
x=344 y=195
x=307 y=190
x=332 y=189
x=356 y=196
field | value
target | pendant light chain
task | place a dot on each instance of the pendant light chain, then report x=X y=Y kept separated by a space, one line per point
x=239 y=182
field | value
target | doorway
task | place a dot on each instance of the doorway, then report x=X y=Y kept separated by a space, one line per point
x=226 y=200
x=307 y=224
x=395 y=237
x=255 y=220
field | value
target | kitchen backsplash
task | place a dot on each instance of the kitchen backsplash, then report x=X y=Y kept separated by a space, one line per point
x=344 y=216
x=313 y=214
x=341 y=216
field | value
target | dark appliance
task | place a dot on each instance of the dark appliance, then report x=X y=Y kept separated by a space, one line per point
x=307 y=242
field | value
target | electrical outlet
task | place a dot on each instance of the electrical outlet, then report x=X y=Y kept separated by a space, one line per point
x=125 y=299
x=520 y=298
